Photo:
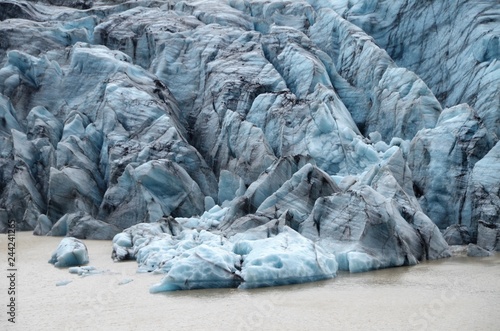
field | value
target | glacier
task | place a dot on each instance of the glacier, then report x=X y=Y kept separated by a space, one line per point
x=249 y=143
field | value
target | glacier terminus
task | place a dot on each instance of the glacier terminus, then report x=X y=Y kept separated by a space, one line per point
x=251 y=143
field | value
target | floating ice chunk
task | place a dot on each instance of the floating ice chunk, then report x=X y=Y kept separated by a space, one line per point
x=126 y=243
x=125 y=281
x=84 y=271
x=80 y=270
x=201 y=267
x=70 y=252
x=161 y=253
x=193 y=259
x=63 y=282
x=287 y=258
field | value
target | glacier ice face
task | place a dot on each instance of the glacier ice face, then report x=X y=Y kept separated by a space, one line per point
x=452 y=45
x=70 y=252
x=182 y=128
x=381 y=96
x=442 y=182
x=79 y=225
x=366 y=231
x=86 y=160
x=298 y=195
x=457 y=235
x=482 y=203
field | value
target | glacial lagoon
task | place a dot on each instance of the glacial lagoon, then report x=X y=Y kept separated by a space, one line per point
x=447 y=294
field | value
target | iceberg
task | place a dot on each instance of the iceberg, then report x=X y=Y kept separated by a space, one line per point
x=84 y=271
x=70 y=252
x=201 y=267
x=287 y=258
x=195 y=259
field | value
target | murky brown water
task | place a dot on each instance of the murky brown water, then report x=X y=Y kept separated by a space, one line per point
x=451 y=294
